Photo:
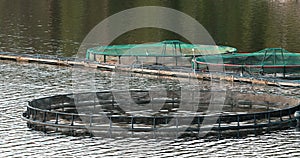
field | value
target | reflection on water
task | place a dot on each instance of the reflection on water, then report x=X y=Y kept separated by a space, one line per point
x=58 y=27
x=22 y=82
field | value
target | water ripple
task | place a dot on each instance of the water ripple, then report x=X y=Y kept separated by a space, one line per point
x=22 y=82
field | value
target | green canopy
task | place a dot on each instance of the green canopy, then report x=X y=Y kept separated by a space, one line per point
x=169 y=48
x=269 y=60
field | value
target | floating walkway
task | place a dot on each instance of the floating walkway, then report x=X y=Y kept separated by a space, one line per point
x=152 y=70
x=52 y=60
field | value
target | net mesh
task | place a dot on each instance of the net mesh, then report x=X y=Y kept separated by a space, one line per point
x=269 y=60
x=169 y=48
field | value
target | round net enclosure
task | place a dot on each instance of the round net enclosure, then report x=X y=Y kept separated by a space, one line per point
x=101 y=114
x=167 y=52
x=269 y=60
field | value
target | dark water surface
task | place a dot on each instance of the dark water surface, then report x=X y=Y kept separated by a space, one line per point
x=21 y=82
x=58 y=27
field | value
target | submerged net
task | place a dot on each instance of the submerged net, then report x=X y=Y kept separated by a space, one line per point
x=269 y=60
x=169 y=48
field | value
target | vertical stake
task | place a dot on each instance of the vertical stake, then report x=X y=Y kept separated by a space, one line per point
x=238 y=121
x=154 y=122
x=35 y=113
x=219 y=127
x=72 y=123
x=91 y=120
x=255 y=132
x=132 y=119
x=56 y=118
x=198 y=121
x=28 y=112
x=44 y=116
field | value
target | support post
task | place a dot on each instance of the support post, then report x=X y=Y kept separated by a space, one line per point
x=56 y=118
x=35 y=113
x=44 y=116
x=154 y=122
x=132 y=122
x=72 y=123
x=28 y=113
x=238 y=123
x=255 y=125
x=219 y=128
x=91 y=120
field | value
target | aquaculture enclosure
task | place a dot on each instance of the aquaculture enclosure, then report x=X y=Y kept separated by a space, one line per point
x=267 y=61
x=170 y=52
x=101 y=114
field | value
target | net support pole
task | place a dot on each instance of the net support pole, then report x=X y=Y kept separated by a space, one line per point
x=34 y=114
x=198 y=121
x=238 y=124
x=44 y=116
x=284 y=70
x=132 y=123
x=219 y=128
x=56 y=118
x=255 y=133
x=154 y=123
x=110 y=126
x=72 y=120
x=177 y=126
x=28 y=111
x=91 y=120
x=269 y=121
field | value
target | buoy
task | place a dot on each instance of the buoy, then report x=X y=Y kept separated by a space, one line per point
x=297 y=116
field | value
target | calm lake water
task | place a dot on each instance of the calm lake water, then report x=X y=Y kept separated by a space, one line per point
x=58 y=27
x=21 y=82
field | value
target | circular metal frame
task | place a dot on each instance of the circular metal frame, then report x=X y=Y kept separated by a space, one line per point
x=59 y=114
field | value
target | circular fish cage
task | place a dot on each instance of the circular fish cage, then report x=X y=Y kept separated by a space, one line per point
x=243 y=114
x=169 y=52
x=266 y=61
